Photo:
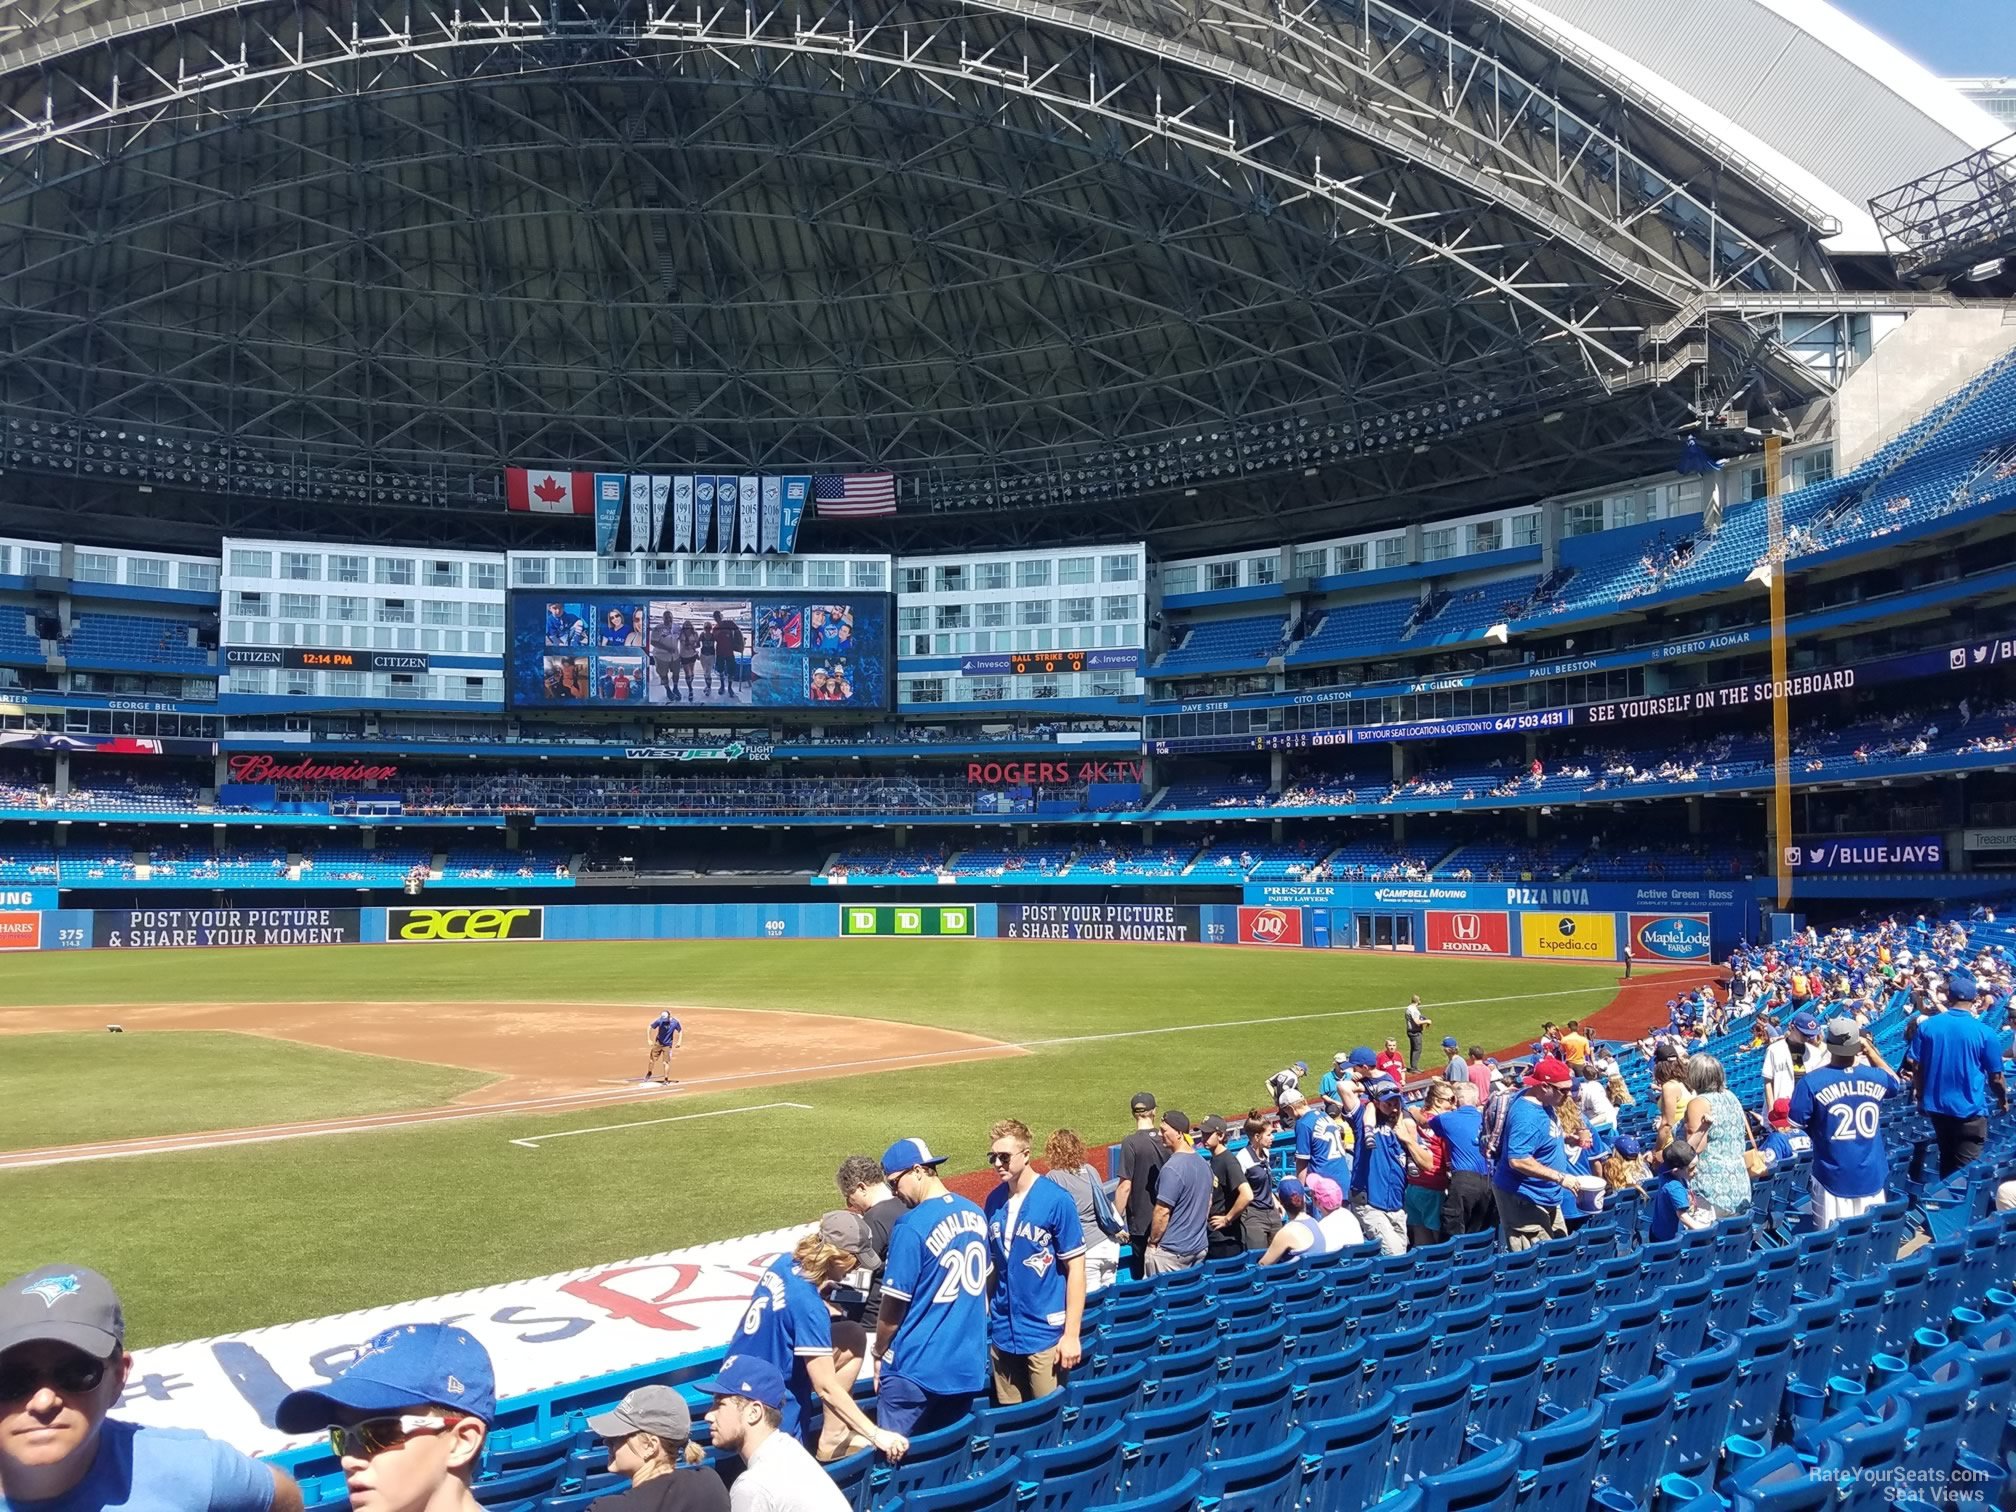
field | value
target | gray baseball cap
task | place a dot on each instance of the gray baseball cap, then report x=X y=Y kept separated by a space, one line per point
x=846 y=1229
x=65 y=1304
x=1844 y=1035
x=648 y=1409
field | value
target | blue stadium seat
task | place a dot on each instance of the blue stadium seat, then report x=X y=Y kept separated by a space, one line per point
x=1429 y=1422
x=1762 y=1375
x=1093 y=1403
x=1019 y=1427
x=1630 y=1337
x=1505 y=1391
x=1177 y=1377
x=1252 y=1412
x=1164 y=1443
x=1704 y=1402
x=1460 y=1334
x=1351 y=1454
x=1270 y=1480
x=1572 y=1365
x=1078 y=1474
x=1312 y=1335
x=1179 y=1495
x=1559 y=1458
x=1252 y=1352
x=1637 y=1424
x=1490 y=1482
x=934 y=1459
x=1332 y=1386
x=1395 y=1359
x=998 y=1489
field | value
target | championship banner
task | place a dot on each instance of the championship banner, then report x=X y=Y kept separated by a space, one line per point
x=429 y=926
x=1157 y=923
x=1568 y=937
x=703 y=513
x=608 y=511
x=640 y=511
x=661 y=489
x=725 y=502
x=796 y=492
x=1270 y=926
x=20 y=931
x=902 y=919
x=751 y=502
x=182 y=928
x=1460 y=932
x=773 y=509
x=1667 y=937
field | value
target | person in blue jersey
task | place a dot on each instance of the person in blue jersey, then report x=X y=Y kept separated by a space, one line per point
x=789 y=1324
x=1785 y=1141
x=63 y=1366
x=1958 y=1060
x=1467 y=1206
x=1322 y=1143
x=1036 y=1300
x=1840 y=1107
x=931 y=1337
x=1532 y=1160
x=1672 y=1209
x=1378 y=1185
x=662 y=1040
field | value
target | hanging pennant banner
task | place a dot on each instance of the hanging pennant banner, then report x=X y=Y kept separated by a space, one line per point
x=796 y=492
x=640 y=511
x=773 y=509
x=703 y=512
x=751 y=488
x=661 y=490
x=682 y=513
x=724 y=515
x=608 y=511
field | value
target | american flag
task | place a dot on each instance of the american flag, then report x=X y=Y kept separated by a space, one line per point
x=854 y=496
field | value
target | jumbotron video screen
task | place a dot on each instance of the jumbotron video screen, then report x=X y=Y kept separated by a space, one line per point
x=619 y=650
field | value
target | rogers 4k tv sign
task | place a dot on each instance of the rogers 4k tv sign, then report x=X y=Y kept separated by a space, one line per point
x=1668 y=937
x=903 y=919
x=1270 y=926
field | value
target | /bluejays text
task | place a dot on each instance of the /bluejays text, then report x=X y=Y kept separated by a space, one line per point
x=170 y=928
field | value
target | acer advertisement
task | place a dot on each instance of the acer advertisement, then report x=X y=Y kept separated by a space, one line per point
x=663 y=649
x=1460 y=932
x=1270 y=926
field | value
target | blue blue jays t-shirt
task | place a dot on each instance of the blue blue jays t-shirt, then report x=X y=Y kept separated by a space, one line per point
x=937 y=1263
x=664 y=1027
x=1670 y=1198
x=1382 y=1165
x=1956 y=1055
x=161 y=1470
x=787 y=1324
x=1319 y=1139
x=1464 y=1129
x=1786 y=1144
x=1530 y=1134
x=1840 y=1109
x=1026 y=1306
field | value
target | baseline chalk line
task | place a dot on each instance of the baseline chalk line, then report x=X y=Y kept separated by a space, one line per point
x=536 y=1140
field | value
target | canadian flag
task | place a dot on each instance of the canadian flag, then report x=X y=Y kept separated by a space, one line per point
x=549 y=490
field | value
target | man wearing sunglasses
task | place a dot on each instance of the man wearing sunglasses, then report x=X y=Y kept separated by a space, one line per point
x=63 y=1365
x=1037 y=1300
x=408 y=1418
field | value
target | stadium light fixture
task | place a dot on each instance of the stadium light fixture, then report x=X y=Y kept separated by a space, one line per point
x=1499 y=633
x=1760 y=575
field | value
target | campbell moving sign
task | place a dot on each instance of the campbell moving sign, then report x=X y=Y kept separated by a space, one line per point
x=253 y=768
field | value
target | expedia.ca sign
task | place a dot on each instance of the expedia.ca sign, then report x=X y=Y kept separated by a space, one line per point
x=426 y=926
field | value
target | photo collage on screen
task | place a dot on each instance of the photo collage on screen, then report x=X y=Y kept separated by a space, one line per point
x=703 y=652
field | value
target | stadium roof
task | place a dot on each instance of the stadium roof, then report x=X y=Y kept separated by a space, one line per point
x=1203 y=271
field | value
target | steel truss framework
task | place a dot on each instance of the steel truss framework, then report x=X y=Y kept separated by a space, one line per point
x=1028 y=256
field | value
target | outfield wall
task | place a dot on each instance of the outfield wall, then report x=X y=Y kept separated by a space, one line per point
x=1582 y=928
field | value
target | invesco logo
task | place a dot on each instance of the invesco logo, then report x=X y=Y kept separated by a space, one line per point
x=432 y=924
x=1271 y=924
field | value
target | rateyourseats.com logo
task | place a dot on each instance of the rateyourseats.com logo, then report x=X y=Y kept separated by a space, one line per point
x=901 y=919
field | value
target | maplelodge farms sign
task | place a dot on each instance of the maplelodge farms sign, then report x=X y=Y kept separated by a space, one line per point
x=256 y=768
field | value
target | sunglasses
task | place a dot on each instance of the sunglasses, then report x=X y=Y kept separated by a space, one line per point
x=999 y=1157
x=71 y=1375
x=374 y=1436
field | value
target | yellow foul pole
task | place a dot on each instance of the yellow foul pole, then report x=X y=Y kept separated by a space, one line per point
x=1781 y=712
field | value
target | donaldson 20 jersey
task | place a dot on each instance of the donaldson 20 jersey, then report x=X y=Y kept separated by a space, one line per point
x=937 y=1264
x=1841 y=1110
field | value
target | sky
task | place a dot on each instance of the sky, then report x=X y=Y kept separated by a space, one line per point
x=1965 y=38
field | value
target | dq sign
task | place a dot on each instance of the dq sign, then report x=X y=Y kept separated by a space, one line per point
x=1668 y=937
x=1270 y=926
x=1458 y=932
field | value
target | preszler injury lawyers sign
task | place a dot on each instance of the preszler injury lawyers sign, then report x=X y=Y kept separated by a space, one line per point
x=898 y=919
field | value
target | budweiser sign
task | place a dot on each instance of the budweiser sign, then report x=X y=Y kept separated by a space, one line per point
x=258 y=768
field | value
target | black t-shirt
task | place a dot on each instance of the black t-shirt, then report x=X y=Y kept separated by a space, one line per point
x=881 y=1223
x=1227 y=1175
x=1142 y=1156
x=697 y=1489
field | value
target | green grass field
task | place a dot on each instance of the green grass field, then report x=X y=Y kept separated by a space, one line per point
x=209 y=1241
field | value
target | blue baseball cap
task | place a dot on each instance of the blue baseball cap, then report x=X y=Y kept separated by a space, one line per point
x=411 y=1366
x=746 y=1376
x=1806 y=1024
x=1290 y=1187
x=1626 y=1146
x=1961 y=986
x=1362 y=1056
x=906 y=1154
x=1449 y=1042
x=1381 y=1086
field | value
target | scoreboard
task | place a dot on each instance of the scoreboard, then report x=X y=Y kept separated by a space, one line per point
x=1026 y=663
